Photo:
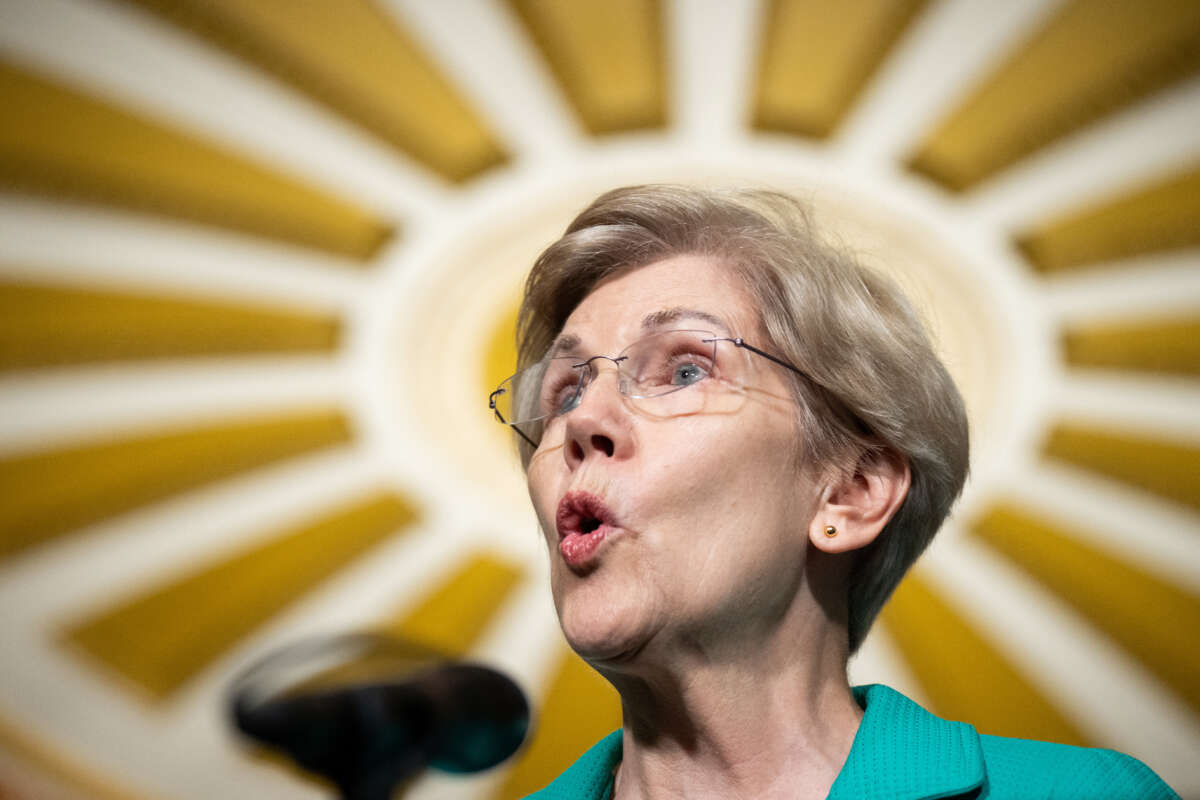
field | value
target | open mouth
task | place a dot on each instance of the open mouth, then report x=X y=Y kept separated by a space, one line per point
x=582 y=513
x=584 y=522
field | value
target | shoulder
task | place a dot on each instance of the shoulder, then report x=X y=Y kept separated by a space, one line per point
x=902 y=750
x=1027 y=768
x=589 y=778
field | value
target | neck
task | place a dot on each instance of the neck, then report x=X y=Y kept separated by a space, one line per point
x=772 y=720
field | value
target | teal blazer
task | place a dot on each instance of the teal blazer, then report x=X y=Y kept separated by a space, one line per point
x=902 y=752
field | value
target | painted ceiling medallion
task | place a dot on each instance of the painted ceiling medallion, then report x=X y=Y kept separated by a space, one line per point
x=259 y=267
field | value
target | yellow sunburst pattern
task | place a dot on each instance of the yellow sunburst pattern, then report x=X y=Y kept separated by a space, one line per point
x=65 y=144
x=258 y=264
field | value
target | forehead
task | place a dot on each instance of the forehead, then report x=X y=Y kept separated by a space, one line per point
x=681 y=291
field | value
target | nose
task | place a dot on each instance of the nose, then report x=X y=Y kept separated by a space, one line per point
x=599 y=427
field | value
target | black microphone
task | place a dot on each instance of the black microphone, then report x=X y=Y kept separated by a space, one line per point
x=368 y=737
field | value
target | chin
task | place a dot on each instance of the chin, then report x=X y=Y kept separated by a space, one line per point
x=599 y=632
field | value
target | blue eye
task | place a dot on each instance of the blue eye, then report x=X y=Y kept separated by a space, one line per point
x=569 y=399
x=687 y=374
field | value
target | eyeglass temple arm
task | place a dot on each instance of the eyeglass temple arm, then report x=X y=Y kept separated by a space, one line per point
x=739 y=342
x=521 y=433
x=857 y=420
x=499 y=416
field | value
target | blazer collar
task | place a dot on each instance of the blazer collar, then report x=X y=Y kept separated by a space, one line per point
x=902 y=752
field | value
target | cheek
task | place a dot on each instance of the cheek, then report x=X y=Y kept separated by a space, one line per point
x=541 y=494
x=753 y=473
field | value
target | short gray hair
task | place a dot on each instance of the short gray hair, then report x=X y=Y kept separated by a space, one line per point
x=874 y=382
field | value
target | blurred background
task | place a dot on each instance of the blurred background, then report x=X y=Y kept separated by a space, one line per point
x=259 y=265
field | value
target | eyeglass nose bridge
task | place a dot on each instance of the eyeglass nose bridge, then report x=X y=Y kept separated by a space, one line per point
x=589 y=373
x=588 y=363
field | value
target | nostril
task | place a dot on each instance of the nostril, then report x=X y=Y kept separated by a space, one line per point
x=603 y=444
x=576 y=450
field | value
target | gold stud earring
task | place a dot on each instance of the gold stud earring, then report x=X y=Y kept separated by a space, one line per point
x=830 y=531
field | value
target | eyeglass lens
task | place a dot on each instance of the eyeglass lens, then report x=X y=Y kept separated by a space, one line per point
x=658 y=366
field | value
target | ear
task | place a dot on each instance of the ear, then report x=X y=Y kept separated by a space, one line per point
x=858 y=506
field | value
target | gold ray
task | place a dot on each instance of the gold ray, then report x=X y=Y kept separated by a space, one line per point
x=64 y=770
x=44 y=326
x=163 y=637
x=452 y=617
x=1147 y=616
x=579 y=707
x=58 y=142
x=357 y=59
x=1167 y=468
x=977 y=684
x=1162 y=216
x=608 y=56
x=46 y=494
x=1090 y=59
x=818 y=55
x=1153 y=345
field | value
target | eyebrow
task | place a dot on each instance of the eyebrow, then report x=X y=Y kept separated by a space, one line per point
x=658 y=319
x=564 y=343
x=567 y=342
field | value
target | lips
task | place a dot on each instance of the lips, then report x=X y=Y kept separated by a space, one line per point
x=583 y=523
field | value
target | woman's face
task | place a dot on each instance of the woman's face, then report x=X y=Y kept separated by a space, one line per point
x=703 y=518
